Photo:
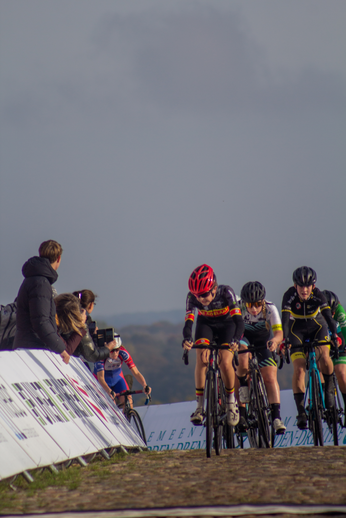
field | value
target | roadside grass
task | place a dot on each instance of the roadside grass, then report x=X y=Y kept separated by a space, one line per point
x=70 y=478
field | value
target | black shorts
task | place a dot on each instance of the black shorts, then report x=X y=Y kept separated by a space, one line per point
x=222 y=331
x=264 y=356
x=302 y=330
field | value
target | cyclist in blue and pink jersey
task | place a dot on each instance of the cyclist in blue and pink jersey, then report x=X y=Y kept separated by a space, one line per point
x=218 y=315
x=110 y=375
x=263 y=328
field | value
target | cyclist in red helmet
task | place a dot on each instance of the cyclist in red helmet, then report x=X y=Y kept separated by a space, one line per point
x=218 y=314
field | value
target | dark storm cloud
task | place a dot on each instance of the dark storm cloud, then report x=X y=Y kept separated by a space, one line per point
x=202 y=60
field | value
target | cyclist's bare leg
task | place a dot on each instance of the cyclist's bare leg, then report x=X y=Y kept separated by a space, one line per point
x=298 y=380
x=228 y=377
x=121 y=402
x=340 y=373
x=226 y=367
x=325 y=360
x=130 y=401
x=327 y=368
x=243 y=359
x=202 y=357
x=298 y=385
x=270 y=379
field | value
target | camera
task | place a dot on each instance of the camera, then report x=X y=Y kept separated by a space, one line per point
x=92 y=327
x=104 y=336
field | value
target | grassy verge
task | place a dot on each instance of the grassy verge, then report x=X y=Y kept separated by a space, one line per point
x=13 y=489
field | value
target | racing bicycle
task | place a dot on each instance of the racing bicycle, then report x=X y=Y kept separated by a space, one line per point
x=131 y=414
x=218 y=432
x=260 y=431
x=314 y=400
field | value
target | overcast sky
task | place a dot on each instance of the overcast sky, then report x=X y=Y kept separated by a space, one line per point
x=149 y=137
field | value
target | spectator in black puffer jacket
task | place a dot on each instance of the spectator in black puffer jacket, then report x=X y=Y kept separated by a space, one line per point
x=36 y=325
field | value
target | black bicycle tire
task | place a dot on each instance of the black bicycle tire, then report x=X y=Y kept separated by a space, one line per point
x=335 y=425
x=209 y=413
x=252 y=418
x=134 y=416
x=317 y=431
x=217 y=414
x=263 y=420
x=240 y=439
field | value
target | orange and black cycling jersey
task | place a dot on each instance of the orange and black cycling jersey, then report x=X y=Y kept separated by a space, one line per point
x=293 y=307
x=222 y=307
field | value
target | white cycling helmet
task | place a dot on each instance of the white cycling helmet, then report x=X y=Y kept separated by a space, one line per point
x=118 y=341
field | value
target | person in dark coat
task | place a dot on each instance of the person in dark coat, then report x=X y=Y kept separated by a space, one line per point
x=36 y=324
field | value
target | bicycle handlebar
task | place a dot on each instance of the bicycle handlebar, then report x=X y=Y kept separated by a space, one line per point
x=305 y=344
x=211 y=346
x=130 y=392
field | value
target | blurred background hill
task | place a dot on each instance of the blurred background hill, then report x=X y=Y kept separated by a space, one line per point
x=157 y=352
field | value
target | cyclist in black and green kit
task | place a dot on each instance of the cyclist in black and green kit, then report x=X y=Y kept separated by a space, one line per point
x=306 y=315
x=339 y=315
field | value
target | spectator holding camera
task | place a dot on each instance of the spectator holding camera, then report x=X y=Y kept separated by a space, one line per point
x=71 y=322
x=36 y=325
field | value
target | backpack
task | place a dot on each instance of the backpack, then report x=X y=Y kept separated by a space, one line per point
x=8 y=326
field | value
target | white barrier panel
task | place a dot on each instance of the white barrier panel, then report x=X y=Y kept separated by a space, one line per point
x=51 y=412
x=168 y=427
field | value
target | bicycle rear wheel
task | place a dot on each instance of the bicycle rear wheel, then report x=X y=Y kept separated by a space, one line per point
x=316 y=411
x=263 y=412
x=335 y=425
x=136 y=423
x=210 y=411
x=227 y=431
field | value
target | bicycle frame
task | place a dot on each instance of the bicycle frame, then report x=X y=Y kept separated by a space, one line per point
x=259 y=413
x=312 y=367
x=215 y=419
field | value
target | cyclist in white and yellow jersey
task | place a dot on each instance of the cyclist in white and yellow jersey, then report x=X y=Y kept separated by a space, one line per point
x=262 y=328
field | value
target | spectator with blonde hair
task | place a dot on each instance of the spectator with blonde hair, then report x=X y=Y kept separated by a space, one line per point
x=71 y=326
x=36 y=325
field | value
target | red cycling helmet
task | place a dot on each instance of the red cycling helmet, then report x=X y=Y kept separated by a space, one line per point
x=202 y=280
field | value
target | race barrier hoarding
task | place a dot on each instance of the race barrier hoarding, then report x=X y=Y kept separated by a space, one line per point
x=168 y=427
x=51 y=412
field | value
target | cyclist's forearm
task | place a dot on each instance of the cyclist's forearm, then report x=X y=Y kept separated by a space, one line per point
x=278 y=337
x=103 y=384
x=286 y=323
x=139 y=377
x=239 y=322
x=187 y=331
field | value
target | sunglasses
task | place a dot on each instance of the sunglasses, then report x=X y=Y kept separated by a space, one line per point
x=258 y=304
x=204 y=295
x=114 y=350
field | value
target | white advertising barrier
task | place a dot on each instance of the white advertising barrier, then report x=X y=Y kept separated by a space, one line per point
x=103 y=407
x=51 y=412
x=168 y=427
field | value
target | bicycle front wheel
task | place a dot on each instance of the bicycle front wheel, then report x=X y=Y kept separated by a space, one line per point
x=136 y=423
x=315 y=411
x=263 y=412
x=210 y=410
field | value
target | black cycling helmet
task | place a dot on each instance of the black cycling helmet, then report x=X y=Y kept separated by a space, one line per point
x=304 y=276
x=332 y=299
x=252 y=292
